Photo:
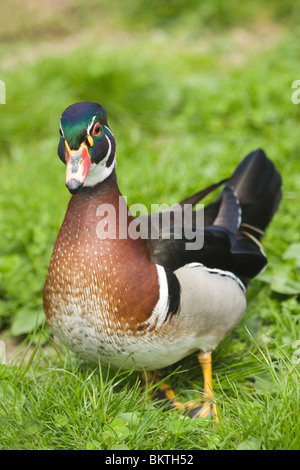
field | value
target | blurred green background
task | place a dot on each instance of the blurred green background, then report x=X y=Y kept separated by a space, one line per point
x=190 y=88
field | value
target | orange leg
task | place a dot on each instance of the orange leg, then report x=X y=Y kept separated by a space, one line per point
x=194 y=409
x=208 y=407
x=164 y=390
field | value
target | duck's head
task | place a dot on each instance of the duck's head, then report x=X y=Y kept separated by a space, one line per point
x=87 y=145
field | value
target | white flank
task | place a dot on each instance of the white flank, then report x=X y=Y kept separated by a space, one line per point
x=219 y=271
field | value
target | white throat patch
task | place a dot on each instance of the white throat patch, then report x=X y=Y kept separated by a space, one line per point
x=99 y=171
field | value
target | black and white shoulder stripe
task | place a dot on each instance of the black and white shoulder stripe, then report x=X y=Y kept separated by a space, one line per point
x=168 y=303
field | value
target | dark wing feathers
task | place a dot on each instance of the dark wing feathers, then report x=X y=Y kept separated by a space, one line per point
x=230 y=212
x=233 y=223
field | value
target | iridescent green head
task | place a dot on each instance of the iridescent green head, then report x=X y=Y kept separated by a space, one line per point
x=87 y=145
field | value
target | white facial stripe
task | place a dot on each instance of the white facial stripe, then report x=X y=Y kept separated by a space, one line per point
x=108 y=152
x=90 y=125
x=61 y=130
x=109 y=130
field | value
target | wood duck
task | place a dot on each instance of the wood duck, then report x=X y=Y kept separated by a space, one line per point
x=142 y=302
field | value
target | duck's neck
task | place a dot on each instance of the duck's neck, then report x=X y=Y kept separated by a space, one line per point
x=106 y=210
x=100 y=189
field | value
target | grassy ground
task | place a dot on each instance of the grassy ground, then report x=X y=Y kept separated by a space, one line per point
x=190 y=89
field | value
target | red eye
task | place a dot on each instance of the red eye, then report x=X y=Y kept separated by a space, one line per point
x=97 y=129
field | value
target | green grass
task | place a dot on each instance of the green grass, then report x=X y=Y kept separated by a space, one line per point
x=190 y=88
x=57 y=403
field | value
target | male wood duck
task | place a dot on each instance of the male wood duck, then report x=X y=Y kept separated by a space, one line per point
x=147 y=303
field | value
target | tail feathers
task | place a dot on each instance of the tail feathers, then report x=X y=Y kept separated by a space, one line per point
x=242 y=211
x=246 y=207
x=257 y=185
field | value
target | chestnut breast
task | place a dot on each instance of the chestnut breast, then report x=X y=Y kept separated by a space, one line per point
x=116 y=273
